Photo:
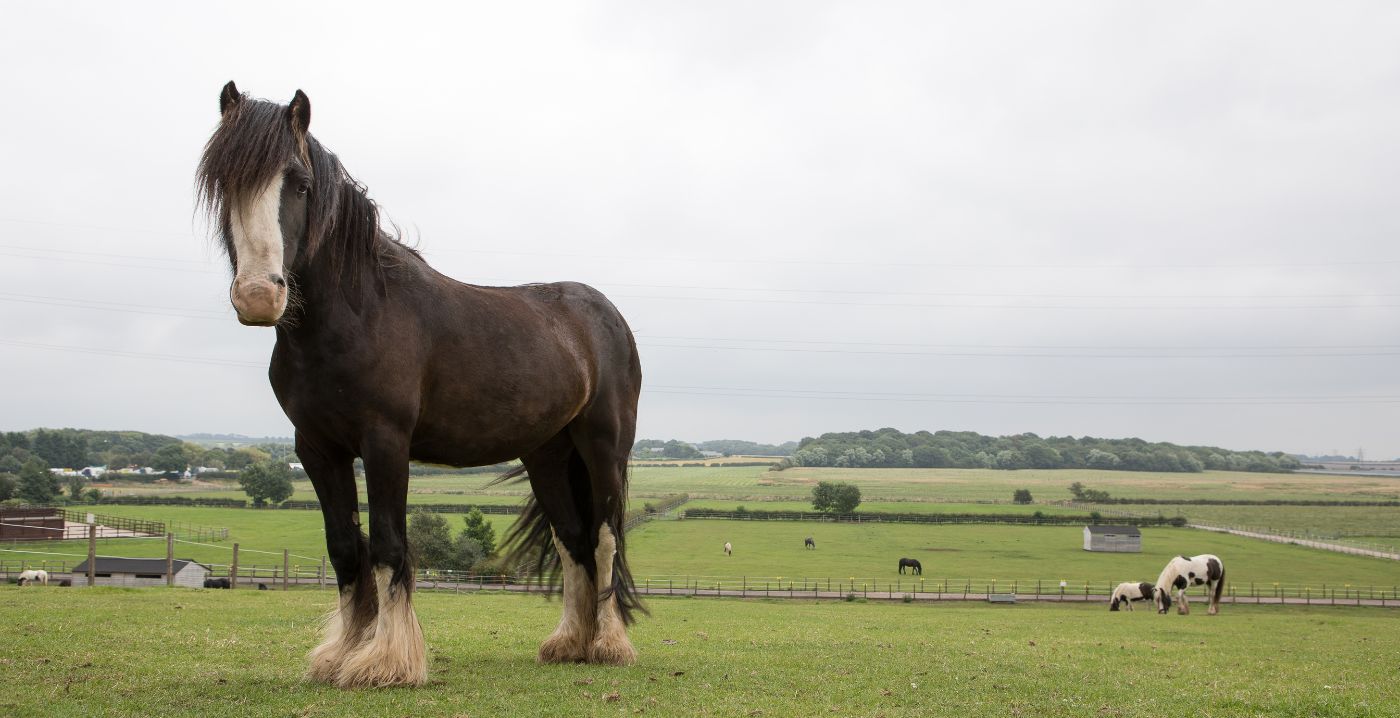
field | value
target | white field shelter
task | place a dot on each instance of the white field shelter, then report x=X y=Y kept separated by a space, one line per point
x=138 y=572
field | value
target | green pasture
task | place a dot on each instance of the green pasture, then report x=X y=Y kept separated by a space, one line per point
x=179 y=652
x=765 y=550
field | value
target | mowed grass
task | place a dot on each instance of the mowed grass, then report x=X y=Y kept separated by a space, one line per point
x=178 y=652
x=765 y=550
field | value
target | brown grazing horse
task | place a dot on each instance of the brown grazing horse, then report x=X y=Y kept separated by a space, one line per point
x=379 y=357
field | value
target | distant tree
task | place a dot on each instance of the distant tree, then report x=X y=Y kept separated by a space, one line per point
x=480 y=530
x=75 y=485
x=37 y=484
x=62 y=448
x=237 y=459
x=171 y=459
x=835 y=497
x=8 y=486
x=430 y=539
x=267 y=481
x=1077 y=489
x=1022 y=496
x=93 y=495
x=466 y=553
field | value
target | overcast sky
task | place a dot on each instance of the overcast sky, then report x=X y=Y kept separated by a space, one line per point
x=1176 y=221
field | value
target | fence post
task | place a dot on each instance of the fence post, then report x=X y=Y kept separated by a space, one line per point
x=170 y=560
x=321 y=578
x=92 y=555
x=233 y=568
x=286 y=565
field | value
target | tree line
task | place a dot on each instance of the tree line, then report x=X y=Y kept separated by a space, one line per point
x=676 y=449
x=891 y=448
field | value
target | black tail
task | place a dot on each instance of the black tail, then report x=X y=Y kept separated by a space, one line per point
x=1219 y=585
x=628 y=601
x=530 y=541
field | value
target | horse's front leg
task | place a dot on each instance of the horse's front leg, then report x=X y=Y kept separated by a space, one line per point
x=393 y=652
x=1183 y=608
x=333 y=477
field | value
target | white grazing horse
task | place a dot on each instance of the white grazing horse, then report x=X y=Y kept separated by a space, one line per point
x=34 y=575
x=728 y=549
x=1130 y=591
x=1182 y=573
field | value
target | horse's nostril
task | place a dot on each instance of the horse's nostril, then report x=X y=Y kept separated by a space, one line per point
x=277 y=279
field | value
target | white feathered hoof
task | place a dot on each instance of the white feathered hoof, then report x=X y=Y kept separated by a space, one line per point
x=562 y=647
x=614 y=650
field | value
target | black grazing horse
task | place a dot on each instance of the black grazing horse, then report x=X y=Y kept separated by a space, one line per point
x=379 y=357
x=809 y=543
x=912 y=564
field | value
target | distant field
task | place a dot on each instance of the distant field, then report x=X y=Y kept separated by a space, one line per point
x=910 y=507
x=757 y=483
x=178 y=652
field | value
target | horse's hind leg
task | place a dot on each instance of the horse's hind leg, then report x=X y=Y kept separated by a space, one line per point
x=334 y=480
x=393 y=652
x=604 y=446
x=560 y=485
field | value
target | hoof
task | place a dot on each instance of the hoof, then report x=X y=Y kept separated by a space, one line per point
x=368 y=668
x=325 y=663
x=393 y=657
x=562 y=649
x=612 y=652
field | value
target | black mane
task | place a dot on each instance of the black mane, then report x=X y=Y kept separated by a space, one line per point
x=253 y=143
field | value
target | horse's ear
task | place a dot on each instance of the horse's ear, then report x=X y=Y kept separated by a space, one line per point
x=300 y=113
x=228 y=97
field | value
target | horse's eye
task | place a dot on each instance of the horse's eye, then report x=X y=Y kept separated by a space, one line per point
x=304 y=188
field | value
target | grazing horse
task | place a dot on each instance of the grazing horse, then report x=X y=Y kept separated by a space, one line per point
x=1127 y=592
x=728 y=549
x=1181 y=573
x=912 y=564
x=381 y=358
x=809 y=543
x=29 y=577
x=217 y=583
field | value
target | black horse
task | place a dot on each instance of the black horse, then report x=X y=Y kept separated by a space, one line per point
x=379 y=357
x=912 y=564
x=809 y=543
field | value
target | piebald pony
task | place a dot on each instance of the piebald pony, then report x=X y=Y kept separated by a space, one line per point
x=1182 y=573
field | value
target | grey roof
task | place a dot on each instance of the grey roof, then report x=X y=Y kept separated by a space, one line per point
x=134 y=565
x=1119 y=530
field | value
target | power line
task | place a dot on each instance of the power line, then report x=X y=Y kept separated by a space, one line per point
x=1023 y=401
x=135 y=355
x=829 y=262
x=1023 y=355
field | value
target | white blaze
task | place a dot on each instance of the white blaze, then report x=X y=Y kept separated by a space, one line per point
x=257 y=234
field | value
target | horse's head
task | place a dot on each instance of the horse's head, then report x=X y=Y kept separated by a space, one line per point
x=258 y=180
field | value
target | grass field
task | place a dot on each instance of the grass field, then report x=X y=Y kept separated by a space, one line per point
x=1380 y=523
x=239 y=653
x=765 y=550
